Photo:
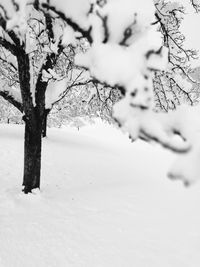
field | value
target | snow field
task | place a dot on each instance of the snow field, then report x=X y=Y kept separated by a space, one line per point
x=104 y=202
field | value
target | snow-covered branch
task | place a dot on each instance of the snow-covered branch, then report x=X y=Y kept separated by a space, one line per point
x=9 y=46
x=10 y=98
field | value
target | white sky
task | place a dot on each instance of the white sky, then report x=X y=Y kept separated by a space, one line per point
x=190 y=28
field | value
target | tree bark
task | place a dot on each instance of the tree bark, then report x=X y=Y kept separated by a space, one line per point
x=44 y=124
x=32 y=157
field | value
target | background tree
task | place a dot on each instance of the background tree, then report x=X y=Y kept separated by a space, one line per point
x=195 y=4
x=175 y=85
x=34 y=49
x=84 y=103
x=31 y=52
x=8 y=113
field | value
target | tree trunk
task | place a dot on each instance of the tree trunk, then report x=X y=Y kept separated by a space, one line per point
x=44 y=124
x=32 y=157
x=34 y=117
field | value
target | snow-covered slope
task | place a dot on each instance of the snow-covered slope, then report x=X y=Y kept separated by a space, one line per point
x=104 y=202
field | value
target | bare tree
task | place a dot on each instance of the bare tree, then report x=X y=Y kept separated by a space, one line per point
x=30 y=59
x=35 y=59
x=174 y=86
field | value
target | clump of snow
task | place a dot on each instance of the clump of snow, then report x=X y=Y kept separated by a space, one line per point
x=104 y=62
x=115 y=64
x=19 y=17
x=76 y=9
x=69 y=36
x=9 y=7
x=123 y=14
x=162 y=127
x=127 y=63
x=54 y=89
x=186 y=167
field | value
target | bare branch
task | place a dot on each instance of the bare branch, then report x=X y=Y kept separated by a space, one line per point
x=195 y=5
x=7 y=45
x=7 y=96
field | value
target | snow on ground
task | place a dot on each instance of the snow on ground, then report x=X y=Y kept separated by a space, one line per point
x=104 y=202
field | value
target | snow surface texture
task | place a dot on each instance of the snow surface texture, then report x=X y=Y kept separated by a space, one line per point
x=104 y=202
